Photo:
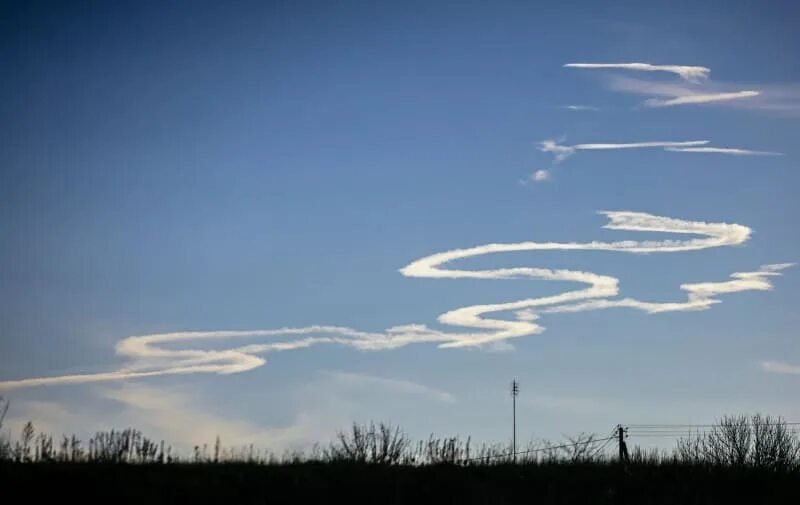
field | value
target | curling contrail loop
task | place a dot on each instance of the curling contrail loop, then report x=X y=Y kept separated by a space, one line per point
x=148 y=356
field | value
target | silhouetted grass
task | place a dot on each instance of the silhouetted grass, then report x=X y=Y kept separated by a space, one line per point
x=740 y=460
x=335 y=482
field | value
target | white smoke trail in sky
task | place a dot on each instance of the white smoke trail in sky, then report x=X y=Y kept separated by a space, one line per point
x=148 y=355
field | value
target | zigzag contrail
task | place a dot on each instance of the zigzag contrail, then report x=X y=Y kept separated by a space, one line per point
x=148 y=357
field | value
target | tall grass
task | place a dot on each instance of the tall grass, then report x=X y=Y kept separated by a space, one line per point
x=736 y=462
x=735 y=441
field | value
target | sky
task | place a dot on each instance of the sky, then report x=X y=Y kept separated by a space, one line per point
x=266 y=220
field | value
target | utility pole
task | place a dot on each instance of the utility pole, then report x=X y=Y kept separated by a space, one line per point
x=623 y=449
x=514 y=394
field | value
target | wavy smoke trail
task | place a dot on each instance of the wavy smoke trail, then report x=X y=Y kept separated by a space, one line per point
x=148 y=357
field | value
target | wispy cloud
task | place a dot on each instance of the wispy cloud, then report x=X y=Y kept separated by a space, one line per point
x=700 y=295
x=723 y=150
x=50 y=417
x=167 y=413
x=581 y=107
x=540 y=176
x=637 y=86
x=774 y=98
x=580 y=405
x=562 y=152
x=162 y=353
x=700 y=98
x=175 y=416
x=687 y=72
x=696 y=88
x=354 y=380
x=536 y=177
x=190 y=417
x=780 y=367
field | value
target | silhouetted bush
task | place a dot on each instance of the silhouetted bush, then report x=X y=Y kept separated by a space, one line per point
x=383 y=444
x=755 y=441
x=5 y=441
x=735 y=441
x=739 y=460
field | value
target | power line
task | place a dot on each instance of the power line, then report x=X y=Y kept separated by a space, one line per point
x=695 y=430
x=640 y=431
x=772 y=423
x=531 y=451
x=680 y=435
x=611 y=437
x=667 y=432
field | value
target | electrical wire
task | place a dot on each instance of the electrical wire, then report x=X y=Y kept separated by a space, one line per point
x=531 y=451
x=797 y=423
x=608 y=441
x=690 y=430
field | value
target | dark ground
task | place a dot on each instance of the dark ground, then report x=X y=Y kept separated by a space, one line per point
x=374 y=484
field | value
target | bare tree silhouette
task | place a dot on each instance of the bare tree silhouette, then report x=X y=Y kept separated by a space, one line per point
x=383 y=444
x=757 y=441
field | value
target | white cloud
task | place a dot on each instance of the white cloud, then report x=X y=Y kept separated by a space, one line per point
x=581 y=108
x=567 y=404
x=175 y=416
x=354 y=380
x=696 y=88
x=536 y=177
x=700 y=295
x=163 y=353
x=700 y=98
x=49 y=417
x=780 y=367
x=541 y=175
x=169 y=414
x=186 y=418
x=723 y=150
x=628 y=84
x=689 y=73
x=563 y=152
x=637 y=145
x=782 y=98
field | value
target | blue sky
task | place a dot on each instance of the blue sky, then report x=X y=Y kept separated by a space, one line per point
x=252 y=166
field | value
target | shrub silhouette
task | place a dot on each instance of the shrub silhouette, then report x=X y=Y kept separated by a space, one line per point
x=384 y=444
x=755 y=441
x=5 y=442
x=738 y=460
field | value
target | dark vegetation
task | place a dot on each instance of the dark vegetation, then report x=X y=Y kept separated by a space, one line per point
x=740 y=459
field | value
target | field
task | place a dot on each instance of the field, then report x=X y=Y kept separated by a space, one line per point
x=741 y=459
x=547 y=483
